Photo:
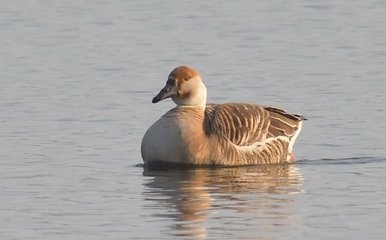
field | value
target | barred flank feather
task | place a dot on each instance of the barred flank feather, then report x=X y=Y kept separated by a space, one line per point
x=250 y=133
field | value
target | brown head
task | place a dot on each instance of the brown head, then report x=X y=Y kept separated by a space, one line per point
x=185 y=87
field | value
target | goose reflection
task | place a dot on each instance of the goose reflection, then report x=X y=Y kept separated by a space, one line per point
x=192 y=197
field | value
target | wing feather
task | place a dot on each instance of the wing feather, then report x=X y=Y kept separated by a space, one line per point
x=246 y=124
x=283 y=123
x=242 y=124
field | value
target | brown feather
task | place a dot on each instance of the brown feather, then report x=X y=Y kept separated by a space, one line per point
x=245 y=124
x=282 y=123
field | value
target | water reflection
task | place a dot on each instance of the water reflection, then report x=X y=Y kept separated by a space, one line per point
x=192 y=197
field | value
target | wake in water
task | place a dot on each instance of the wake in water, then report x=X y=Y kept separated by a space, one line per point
x=341 y=161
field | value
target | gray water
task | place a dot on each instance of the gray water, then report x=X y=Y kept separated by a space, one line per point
x=76 y=82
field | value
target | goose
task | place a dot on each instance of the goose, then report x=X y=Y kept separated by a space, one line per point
x=228 y=134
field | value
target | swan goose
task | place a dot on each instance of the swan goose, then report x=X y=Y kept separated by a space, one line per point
x=230 y=134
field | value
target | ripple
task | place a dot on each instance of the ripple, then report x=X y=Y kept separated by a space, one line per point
x=341 y=161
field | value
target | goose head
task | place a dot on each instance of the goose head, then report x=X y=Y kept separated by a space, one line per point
x=185 y=87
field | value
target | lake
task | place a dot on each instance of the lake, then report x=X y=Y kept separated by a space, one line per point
x=76 y=83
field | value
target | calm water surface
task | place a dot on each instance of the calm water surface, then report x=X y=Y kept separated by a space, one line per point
x=76 y=82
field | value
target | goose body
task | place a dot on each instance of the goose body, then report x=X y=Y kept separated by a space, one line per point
x=229 y=134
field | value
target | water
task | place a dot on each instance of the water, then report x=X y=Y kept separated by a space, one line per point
x=76 y=83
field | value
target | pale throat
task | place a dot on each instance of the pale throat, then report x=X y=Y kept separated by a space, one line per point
x=196 y=98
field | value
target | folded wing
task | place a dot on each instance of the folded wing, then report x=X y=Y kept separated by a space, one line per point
x=246 y=124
